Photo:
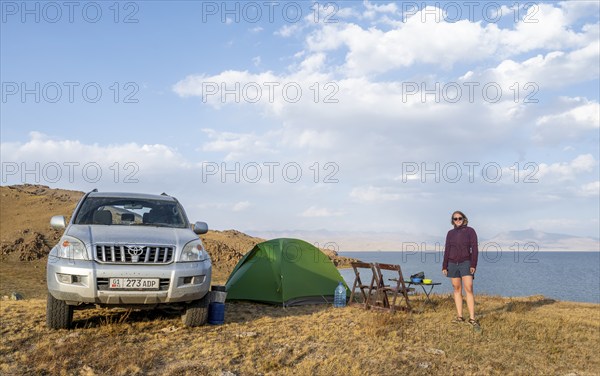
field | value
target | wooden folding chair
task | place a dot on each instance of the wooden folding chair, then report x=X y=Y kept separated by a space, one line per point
x=365 y=289
x=392 y=290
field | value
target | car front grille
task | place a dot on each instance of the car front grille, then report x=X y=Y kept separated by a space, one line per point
x=134 y=254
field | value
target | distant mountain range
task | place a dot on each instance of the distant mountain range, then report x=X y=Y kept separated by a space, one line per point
x=398 y=241
x=546 y=241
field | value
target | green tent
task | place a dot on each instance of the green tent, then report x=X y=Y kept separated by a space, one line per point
x=284 y=271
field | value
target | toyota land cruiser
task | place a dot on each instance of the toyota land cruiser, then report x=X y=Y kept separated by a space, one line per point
x=128 y=250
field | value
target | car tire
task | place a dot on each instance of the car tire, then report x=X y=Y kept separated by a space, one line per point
x=196 y=313
x=59 y=315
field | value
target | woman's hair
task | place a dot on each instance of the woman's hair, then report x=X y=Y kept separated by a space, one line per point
x=465 y=219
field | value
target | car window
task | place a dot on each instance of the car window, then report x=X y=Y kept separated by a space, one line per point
x=128 y=212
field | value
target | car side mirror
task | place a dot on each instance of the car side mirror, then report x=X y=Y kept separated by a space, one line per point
x=200 y=228
x=58 y=222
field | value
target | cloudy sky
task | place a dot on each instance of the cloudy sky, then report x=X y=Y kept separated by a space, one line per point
x=344 y=116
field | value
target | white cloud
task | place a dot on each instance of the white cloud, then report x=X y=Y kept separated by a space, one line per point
x=590 y=189
x=235 y=145
x=189 y=86
x=313 y=63
x=63 y=162
x=374 y=194
x=554 y=70
x=545 y=26
x=586 y=116
x=575 y=10
x=289 y=30
x=242 y=205
x=395 y=122
x=309 y=139
x=42 y=147
x=567 y=170
x=413 y=176
x=374 y=125
x=315 y=211
x=224 y=206
x=373 y=10
x=374 y=50
x=229 y=87
x=582 y=117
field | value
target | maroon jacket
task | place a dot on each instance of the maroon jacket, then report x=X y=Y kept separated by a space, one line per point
x=461 y=245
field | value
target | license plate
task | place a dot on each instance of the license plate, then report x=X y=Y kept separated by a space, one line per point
x=134 y=283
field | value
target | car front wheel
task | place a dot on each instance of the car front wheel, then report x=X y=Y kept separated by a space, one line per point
x=59 y=314
x=196 y=313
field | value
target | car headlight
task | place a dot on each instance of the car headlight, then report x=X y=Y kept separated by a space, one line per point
x=193 y=251
x=71 y=248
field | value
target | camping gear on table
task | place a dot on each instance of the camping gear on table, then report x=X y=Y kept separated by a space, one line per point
x=427 y=281
x=418 y=277
x=284 y=271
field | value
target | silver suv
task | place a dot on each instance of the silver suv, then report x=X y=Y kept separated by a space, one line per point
x=128 y=250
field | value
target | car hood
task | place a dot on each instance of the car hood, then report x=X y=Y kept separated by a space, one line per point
x=142 y=235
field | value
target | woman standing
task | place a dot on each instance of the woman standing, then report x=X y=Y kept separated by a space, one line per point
x=460 y=263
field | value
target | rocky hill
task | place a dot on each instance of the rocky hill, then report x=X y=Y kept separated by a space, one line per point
x=25 y=212
x=25 y=233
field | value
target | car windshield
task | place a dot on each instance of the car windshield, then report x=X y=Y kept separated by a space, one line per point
x=130 y=211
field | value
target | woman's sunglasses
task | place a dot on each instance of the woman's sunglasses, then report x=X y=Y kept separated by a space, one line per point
x=457 y=218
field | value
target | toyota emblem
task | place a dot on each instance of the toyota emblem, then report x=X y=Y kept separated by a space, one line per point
x=135 y=251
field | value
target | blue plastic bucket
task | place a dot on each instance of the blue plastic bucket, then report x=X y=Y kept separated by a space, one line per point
x=216 y=313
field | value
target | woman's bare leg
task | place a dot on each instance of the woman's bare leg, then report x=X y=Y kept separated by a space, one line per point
x=458 y=300
x=468 y=285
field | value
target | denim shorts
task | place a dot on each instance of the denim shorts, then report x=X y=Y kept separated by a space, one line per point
x=458 y=270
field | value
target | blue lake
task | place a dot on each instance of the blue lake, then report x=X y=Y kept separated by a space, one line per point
x=569 y=276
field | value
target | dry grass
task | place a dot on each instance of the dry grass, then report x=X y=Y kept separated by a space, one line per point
x=530 y=336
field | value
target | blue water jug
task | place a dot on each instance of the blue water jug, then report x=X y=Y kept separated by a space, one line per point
x=216 y=313
x=339 y=297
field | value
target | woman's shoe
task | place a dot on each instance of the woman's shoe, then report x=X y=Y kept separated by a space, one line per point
x=458 y=320
x=474 y=324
